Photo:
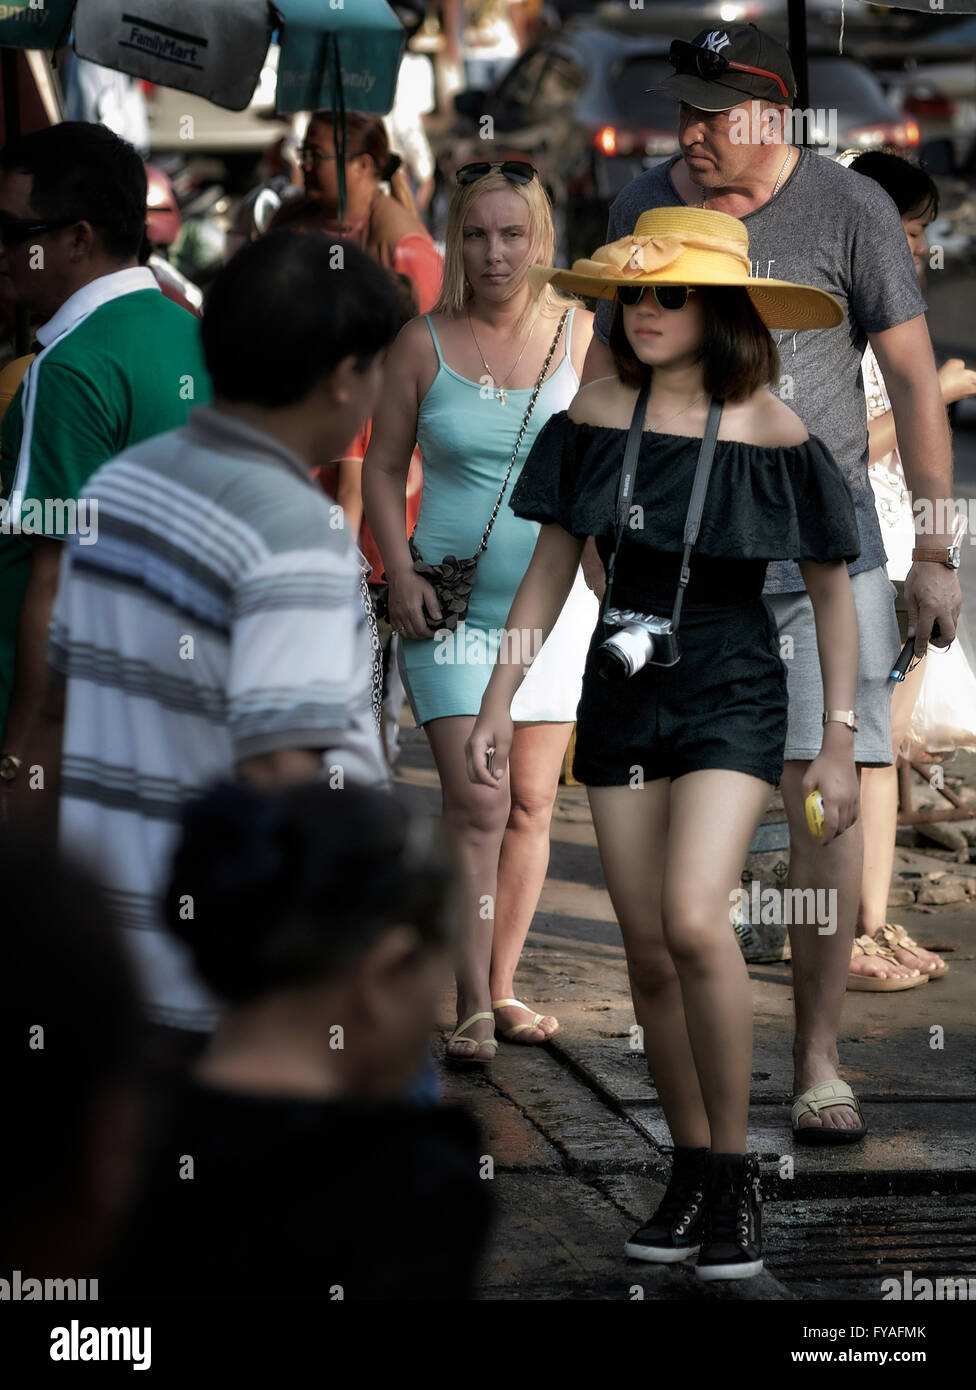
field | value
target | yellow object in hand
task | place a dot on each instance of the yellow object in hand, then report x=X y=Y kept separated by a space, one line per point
x=815 y=814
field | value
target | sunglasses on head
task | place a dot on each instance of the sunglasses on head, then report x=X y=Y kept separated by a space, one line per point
x=665 y=296
x=515 y=170
x=703 y=62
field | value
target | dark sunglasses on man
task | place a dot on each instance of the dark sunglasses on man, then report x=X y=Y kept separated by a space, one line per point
x=15 y=230
x=703 y=62
x=515 y=170
x=665 y=296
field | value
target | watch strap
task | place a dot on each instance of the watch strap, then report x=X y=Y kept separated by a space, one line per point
x=938 y=555
x=841 y=716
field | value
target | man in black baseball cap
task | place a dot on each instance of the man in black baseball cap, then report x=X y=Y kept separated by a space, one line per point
x=719 y=67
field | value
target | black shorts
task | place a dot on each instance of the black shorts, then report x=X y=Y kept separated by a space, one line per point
x=723 y=705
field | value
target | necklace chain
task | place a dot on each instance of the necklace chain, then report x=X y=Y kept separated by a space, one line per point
x=682 y=411
x=500 y=394
x=776 y=185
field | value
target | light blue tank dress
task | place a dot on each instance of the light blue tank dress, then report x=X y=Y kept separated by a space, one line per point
x=466 y=442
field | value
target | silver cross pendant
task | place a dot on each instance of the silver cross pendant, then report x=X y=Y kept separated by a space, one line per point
x=501 y=395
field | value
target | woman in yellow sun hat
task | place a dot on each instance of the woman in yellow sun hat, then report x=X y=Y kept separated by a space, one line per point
x=681 y=726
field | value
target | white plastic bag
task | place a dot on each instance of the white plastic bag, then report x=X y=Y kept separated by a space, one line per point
x=944 y=716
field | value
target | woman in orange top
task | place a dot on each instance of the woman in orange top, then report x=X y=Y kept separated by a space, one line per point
x=385 y=225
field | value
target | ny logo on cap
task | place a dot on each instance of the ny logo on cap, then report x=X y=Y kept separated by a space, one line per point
x=716 y=41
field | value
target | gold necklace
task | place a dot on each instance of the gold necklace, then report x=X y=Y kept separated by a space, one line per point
x=500 y=395
x=779 y=178
x=657 y=428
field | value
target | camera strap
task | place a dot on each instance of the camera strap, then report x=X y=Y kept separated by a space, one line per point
x=697 y=502
x=625 y=491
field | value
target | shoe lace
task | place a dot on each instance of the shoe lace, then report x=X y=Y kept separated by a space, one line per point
x=681 y=1196
x=729 y=1207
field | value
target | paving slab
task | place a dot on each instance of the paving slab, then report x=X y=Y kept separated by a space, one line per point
x=831 y=1250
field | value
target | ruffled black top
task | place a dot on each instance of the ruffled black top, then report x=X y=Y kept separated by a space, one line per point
x=762 y=504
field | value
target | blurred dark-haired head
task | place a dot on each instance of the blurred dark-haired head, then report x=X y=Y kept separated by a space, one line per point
x=84 y=188
x=304 y=215
x=70 y=1027
x=318 y=893
x=286 y=310
x=911 y=188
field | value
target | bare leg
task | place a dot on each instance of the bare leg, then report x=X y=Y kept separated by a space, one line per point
x=879 y=818
x=714 y=814
x=534 y=767
x=631 y=831
x=474 y=820
x=820 y=962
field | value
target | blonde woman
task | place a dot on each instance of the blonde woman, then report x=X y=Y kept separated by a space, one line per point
x=460 y=381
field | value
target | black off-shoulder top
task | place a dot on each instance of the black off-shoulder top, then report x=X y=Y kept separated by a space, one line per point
x=762 y=504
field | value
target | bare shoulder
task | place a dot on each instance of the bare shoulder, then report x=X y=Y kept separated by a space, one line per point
x=410 y=364
x=411 y=355
x=582 y=337
x=582 y=320
x=765 y=421
x=606 y=402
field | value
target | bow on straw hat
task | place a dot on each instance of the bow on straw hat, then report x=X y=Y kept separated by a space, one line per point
x=692 y=246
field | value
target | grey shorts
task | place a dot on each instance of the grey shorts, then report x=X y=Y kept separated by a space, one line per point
x=874 y=598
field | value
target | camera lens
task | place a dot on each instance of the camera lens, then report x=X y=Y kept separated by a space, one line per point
x=610 y=663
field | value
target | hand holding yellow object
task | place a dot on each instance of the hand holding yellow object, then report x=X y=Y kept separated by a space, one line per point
x=815 y=814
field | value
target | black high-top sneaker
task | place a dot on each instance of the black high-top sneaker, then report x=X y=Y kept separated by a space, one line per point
x=674 y=1231
x=731 y=1244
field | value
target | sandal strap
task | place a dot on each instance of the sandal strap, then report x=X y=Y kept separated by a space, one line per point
x=822 y=1097
x=456 y=1036
x=897 y=936
x=510 y=1004
x=867 y=946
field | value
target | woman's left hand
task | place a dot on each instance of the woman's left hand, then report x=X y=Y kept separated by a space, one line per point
x=835 y=776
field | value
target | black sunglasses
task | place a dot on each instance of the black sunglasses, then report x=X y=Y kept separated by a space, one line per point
x=690 y=58
x=666 y=296
x=14 y=230
x=515 y=170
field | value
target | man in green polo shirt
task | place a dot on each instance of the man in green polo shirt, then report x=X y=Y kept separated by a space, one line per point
x=116 y=363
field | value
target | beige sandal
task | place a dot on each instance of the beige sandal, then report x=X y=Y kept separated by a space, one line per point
x=866 y=946
x=895 y=937
x=510 y=1034
x=821 y=1097
x=472 y=1060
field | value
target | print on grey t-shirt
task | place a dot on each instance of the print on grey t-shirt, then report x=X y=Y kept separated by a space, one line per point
x=839 y=231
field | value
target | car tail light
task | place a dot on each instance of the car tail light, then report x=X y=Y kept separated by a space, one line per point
x=887 y=133
x=613 y=140
x=606 y=139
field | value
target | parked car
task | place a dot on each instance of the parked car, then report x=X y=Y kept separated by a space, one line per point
x=576 y=103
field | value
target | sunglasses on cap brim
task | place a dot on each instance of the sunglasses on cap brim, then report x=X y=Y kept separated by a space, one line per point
x=665 y=296
x=515 y=170
x=689 y=58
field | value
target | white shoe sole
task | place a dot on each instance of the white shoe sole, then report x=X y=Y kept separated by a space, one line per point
x=736 y=1271
x=653 y=1256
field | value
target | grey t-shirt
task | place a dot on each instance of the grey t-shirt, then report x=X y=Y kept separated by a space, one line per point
x=839 y=231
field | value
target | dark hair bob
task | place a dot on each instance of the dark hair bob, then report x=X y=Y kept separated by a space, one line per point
x=738 y=352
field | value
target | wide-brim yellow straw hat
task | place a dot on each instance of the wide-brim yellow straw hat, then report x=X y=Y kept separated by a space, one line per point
x=692 y=246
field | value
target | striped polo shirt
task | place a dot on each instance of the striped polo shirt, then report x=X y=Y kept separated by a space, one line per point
x=217 y=616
